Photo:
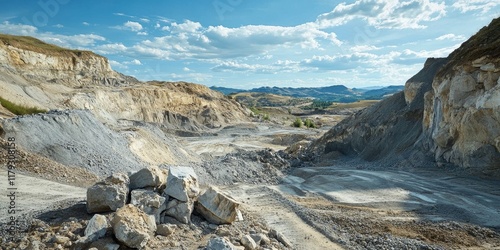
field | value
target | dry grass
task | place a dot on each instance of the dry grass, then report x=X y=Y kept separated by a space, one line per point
x=33 y=44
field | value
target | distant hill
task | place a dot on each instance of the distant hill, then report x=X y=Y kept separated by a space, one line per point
x=334 y=93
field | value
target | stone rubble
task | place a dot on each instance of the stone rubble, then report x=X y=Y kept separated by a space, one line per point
x=161 y=206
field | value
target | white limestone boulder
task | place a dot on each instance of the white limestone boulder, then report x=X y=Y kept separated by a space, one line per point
x=217 y=207
x=182 y=184
x=132 y=227
x=108 y=195
x=148 y=177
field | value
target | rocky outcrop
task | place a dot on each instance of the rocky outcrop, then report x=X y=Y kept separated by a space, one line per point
x=462 y=112
x=449 y=114
x=37 y=74
x=387 y=130
x=176 y=105
x=34 y=59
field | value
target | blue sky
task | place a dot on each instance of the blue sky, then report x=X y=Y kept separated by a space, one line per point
x=253 y=43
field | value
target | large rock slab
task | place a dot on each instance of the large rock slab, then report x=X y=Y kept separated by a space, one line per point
x=182 y=184
x=108 y=195
x=217 y=207
x=148 y=177
x=149 y=201
x=133 y=227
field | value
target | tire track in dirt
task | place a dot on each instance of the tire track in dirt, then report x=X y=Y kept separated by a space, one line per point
x=266 y=203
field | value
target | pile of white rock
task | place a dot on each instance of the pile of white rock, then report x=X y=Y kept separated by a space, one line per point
x=147 y=201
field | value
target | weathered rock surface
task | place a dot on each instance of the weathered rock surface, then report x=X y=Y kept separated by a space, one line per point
x=133 y=227
x=462 y=118
x=217 y=207
x=149 y=201
x=180 y=210
x=97 y=227
x=148 y=177
x=387 y=130
x=108 y=195
x=182 y=184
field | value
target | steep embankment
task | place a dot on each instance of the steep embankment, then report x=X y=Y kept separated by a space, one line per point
x=36 y=74
x=449 y=112
x=388 y=128
x=462 y=112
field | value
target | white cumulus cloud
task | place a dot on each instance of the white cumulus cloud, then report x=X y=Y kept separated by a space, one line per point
x=389 y=14
x=475 y=5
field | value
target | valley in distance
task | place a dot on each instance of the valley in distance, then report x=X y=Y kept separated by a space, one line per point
x=94 y=159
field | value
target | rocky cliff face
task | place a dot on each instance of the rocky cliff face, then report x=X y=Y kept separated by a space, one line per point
x=33 y=73
x=25 y=57
x=176 y=105
x=449 y=111
x=462 y=112
x=386 y=130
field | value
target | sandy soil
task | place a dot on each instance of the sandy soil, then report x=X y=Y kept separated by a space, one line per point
x=35 y=194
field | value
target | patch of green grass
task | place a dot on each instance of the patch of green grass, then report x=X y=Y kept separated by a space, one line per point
x=309 y=123
x=298 y=123
x=18 y=109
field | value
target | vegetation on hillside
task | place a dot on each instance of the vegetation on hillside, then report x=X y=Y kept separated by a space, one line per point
x=19 y=109
x=33 y=44
x=486 y=42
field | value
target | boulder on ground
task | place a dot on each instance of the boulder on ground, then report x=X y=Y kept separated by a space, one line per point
x=280 y=237
x=248 y=242
x=133 y=227
x=182 y=184
x=216 y=207
x=149 y=201
x=97 y=227
x=219 y=243
x=180 y=210
x=108 y=195
x=148 y=177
